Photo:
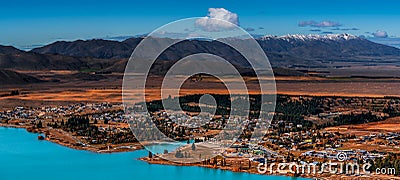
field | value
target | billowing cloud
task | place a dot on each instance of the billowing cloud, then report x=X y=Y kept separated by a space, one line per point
x=380 y=34
x=319 y=24
x=210 y=22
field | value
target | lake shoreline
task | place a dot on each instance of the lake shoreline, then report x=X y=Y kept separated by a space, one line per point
x=63 y=138
x=58 y=140
x=55 y=138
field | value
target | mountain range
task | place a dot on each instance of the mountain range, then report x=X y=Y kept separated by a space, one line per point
x=12 y=58
x=290 y=51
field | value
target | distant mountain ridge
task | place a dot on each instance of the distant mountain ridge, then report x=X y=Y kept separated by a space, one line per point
x=290 y=51
x=12 y=58
x=311 y=37
x=344 y=44
x=97 y=48
x=281 y=50
x=9 y=50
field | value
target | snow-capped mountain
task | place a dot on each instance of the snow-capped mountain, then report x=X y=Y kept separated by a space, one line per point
x=318 y=51
x=312 y=37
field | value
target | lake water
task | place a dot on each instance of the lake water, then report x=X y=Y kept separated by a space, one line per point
x=22 y=156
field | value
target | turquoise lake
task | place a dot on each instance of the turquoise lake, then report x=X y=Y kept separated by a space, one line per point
x=24 y=157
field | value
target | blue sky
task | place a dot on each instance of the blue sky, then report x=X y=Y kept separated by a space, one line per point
x=29 y=23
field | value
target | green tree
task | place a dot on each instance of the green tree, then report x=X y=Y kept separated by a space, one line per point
x=193 y=147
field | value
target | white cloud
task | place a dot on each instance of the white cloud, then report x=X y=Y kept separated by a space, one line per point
x=380 y=34
x=327 y=24
x=212 y=22
x=319 y=24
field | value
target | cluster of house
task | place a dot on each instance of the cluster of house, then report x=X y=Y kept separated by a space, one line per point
x=49 y=112
x=312 y=138
x=253 y=151
x=349 y=155
x=178 y=124
x=184 y=119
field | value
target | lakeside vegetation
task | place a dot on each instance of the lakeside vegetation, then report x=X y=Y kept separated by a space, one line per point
x=81 y=126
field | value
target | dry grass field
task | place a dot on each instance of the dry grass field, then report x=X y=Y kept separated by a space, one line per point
x=388 y=125
x=109 y=89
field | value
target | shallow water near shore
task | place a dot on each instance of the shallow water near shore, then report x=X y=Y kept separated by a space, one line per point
x=24 y=157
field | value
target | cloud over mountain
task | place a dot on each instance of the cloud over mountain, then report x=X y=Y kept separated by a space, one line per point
x=319 y=24
x=218 y=19
x=380 y=34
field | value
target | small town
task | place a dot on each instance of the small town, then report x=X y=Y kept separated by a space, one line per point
x=307 y=135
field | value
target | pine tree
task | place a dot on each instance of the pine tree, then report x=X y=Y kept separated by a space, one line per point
x=193 y=147
x=39 y=124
